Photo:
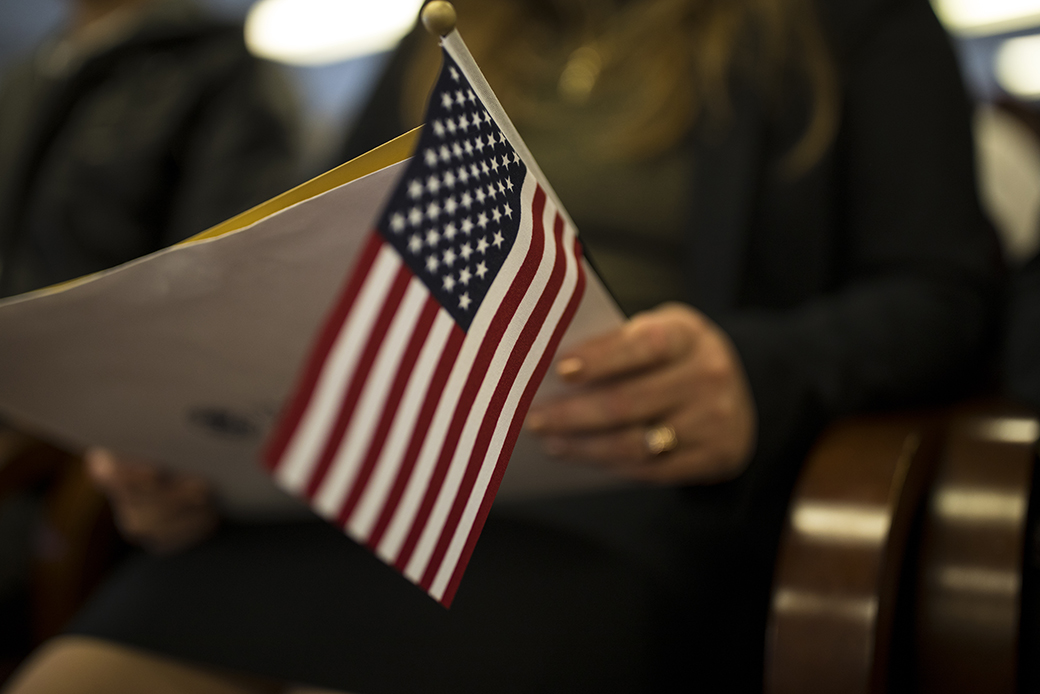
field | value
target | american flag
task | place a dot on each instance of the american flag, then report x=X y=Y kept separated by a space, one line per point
x=415 y=392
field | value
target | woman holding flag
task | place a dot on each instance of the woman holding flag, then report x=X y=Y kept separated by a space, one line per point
x=780 y=192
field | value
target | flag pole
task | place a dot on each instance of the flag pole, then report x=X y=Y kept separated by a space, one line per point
x=439 y=17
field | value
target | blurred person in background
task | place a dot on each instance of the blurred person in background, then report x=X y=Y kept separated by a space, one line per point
x=781 y=192
x=137 y=125
x=140 y=124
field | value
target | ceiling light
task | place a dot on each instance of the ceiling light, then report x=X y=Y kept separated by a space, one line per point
x=987 y=16
x=1018 y=66
x=314 y=32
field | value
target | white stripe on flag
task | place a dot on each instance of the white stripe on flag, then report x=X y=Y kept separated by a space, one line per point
x=374 y=498
x=391 y=544
x=308 y=440
x=534 y=356
x=343 y=470
x=460 y=460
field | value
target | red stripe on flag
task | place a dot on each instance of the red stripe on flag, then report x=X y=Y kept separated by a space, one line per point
x=514 y=432
x=360 y=376
x=499 y=323
x=498 y=399
x=308 y=381
x=429 y=407
x=393 y=401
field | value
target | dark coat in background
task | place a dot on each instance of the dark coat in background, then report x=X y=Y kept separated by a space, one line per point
x=155 y=135
x=156 y=131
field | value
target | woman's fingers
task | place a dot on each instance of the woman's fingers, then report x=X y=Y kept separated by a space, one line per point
x=164 y=528
x=671 y=367
x=694 y=376
x=627 y=453
x=649 y=339
x=161 y=511
x=120 y=476
x=646 y=397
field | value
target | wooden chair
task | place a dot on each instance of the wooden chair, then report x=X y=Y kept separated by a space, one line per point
x=914 y=519
x=969 y=565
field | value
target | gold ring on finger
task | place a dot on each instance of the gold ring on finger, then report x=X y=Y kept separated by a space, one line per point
x=660 y=439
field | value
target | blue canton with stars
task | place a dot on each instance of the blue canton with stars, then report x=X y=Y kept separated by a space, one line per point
x=455 y=213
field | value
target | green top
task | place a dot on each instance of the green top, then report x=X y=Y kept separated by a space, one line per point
x=630 y=215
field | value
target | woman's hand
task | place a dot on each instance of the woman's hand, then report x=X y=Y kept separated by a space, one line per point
x=163 y=512
x=665 y=398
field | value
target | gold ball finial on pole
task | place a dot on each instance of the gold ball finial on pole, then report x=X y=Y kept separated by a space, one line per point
x=439 y=17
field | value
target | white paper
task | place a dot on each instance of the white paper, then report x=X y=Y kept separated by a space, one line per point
x=186 y=356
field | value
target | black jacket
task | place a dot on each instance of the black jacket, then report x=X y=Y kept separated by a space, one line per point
x=171 y=130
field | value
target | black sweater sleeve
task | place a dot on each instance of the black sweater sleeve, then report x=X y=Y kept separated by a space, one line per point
x=912 y=314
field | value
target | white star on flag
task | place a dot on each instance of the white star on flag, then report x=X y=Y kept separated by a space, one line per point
x=409 y=406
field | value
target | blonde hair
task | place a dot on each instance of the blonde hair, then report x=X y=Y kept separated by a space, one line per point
x=673 y=59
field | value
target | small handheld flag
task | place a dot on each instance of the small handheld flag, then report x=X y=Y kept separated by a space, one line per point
x=416 y=389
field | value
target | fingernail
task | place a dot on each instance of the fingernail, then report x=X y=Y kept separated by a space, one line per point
x=535 y=421
x=570 y=366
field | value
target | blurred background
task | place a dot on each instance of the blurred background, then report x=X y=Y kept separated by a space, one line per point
x=333 y=50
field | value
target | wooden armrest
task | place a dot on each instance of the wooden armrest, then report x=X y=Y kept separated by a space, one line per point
x=970 y=562
x=841 y=551
x=963 y=475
